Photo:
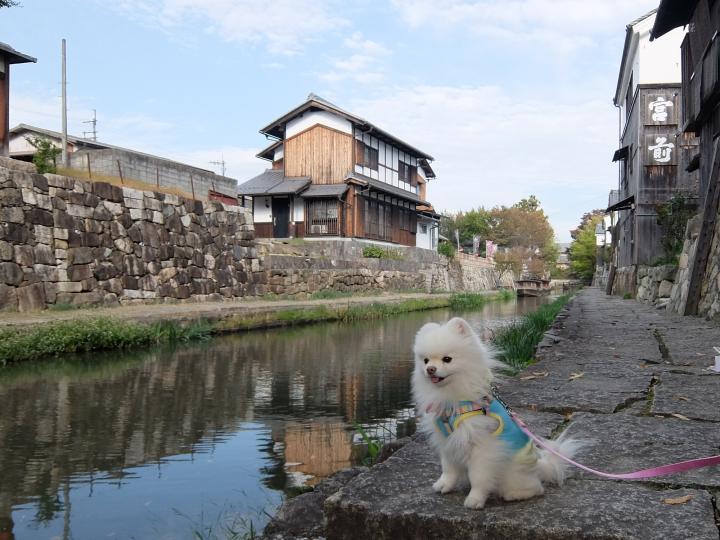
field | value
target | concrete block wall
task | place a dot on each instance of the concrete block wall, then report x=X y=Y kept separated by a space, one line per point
x=68 y=241
x=299 y=268
x=151 y=169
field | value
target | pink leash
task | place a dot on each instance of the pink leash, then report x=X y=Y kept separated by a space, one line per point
x=679 y=467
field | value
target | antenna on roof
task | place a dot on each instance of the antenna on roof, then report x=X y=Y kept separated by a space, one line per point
x=93 y=133
x=221 y=163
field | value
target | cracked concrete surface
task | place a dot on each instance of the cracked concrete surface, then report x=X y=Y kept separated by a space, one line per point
x=645 y=399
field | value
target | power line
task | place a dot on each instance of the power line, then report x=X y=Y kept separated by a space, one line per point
x=221 y=163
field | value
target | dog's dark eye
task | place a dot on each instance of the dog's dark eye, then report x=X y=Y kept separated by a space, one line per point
x=446 y=359
x=426 y=360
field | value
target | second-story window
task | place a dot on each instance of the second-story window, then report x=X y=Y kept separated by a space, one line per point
x=406 y=173
x=366 y=155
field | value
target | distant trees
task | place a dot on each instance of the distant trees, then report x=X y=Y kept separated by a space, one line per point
x=583 y=250
x=523 y=230
x=8 y=3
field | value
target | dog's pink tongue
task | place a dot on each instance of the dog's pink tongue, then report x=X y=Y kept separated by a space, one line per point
x=435 y=379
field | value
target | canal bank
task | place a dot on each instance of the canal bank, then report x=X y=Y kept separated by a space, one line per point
x=207 y=436
x=631 y=381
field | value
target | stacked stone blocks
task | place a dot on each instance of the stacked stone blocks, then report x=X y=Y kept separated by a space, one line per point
x=68 y=241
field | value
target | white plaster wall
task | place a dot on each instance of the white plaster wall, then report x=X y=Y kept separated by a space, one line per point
x=310 y=118
x=298 y=209
x=426 y=240
x=279 y=153
x=659 y=60
x=262 y=213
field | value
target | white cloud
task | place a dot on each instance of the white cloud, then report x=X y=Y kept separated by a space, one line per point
x=280 y=26
x=363 y=65
x=491 y=150
x=560 y=25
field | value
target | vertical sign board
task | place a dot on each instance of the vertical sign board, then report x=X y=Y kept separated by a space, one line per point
x=661 y=108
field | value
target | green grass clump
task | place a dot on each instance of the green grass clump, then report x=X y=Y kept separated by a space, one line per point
x=330 y=294
x=506 y=294
x=376 y=252
x=516 y=343
x=102 y=333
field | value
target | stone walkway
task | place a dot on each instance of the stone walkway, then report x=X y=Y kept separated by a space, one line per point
x=210 y=311
x=631 y=380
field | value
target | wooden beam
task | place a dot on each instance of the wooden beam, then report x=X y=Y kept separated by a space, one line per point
x=704 y=241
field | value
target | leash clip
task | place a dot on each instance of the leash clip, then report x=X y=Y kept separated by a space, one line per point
x=496 y=394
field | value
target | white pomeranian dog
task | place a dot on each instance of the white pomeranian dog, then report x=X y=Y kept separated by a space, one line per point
x=475 y=436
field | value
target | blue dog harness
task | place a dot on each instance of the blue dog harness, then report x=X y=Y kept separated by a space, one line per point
x=449 y=419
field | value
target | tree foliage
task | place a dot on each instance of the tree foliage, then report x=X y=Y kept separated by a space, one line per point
x=672 y=218
x=522 y=230
x=8 y=3
x=46 y=154
x=583 y=250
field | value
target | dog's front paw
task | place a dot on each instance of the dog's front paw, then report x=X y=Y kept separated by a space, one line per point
x=444 y=484
x=475 y=499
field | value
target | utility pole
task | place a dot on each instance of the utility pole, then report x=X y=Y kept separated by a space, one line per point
x=93 y=133
x=221 y=163
x=64 y=107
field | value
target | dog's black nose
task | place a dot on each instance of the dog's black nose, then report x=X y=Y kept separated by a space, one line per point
x=431 y=370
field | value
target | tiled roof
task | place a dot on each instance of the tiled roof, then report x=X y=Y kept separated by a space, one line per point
x=325 y=190
x=272 y=182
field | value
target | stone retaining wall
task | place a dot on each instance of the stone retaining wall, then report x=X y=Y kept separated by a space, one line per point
x=709 y=304
x=299 y=268
x=68 y=241
x=647 y=284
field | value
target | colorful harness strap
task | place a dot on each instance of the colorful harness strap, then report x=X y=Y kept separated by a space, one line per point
x=448 y=419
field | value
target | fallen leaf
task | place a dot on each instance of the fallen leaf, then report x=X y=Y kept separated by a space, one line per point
x=574 y=376
x=540 y=373
x=680 y=416
x=682 y=398
x=678 y=500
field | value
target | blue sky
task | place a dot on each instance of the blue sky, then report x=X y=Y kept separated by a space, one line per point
x=511 y=97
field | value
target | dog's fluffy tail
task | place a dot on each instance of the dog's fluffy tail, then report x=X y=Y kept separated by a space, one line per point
x=550 y=467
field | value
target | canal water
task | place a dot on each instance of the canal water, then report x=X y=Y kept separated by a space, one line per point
x=202 y=440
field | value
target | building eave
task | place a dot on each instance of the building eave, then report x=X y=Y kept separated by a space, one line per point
x=672 y=14
x=15 y=57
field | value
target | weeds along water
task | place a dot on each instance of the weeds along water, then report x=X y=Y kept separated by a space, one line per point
x=516 y=343
x=107 y=333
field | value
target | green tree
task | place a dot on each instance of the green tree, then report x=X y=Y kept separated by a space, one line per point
x=583 y=250
x=46 y=154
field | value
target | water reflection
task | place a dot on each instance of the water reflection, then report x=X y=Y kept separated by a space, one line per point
x=158 y=444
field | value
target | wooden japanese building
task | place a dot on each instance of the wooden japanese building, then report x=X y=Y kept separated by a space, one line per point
x=654 y=156
x=334 y=174
x=8 y=56
x=700 y=52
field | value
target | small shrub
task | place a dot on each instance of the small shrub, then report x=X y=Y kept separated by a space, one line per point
x=627 y=296
x=373 y=252
x=46 y=154
x=447 y=249
x=376 y=252
x=672 y=218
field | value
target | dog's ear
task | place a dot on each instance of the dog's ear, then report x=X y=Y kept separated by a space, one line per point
x=460 y=327
x=427 y=327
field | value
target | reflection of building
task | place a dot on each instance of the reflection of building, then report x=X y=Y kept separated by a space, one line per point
x=336 y=175
x=317 y=448
x=653 y=155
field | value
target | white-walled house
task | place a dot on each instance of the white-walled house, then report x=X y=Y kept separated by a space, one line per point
x=334 y=174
